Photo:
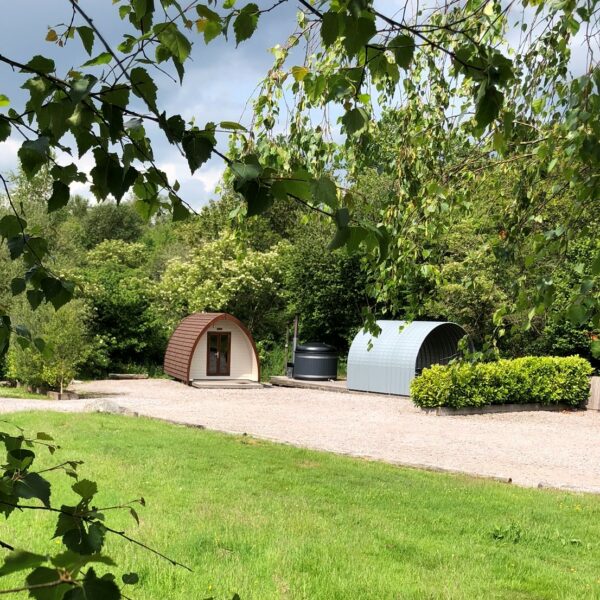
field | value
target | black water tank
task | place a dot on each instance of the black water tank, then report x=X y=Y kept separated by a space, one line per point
x=315 y=361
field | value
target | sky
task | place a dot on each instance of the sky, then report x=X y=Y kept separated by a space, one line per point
x=219 y=81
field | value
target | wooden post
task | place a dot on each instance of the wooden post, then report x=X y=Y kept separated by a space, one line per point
x=285 y=358
x=295 y=338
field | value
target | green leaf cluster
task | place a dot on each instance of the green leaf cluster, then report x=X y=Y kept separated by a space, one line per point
x=66 y=574
x=529 y=380
x=62 y=345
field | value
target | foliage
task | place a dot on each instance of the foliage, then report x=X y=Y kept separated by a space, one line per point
x=123 y=297
x=471 y=270
x=117 y=253
x=61 y=346
x=109 y=221
x=162 y=241
x=209 y=224
x=272 y=359
x=382 y=528
x=326 y=290
x=62 y=233
x=536 y=380
x=25 y=365
x=67 y=345
x=515 y=105
x=478 y=120
x=71 y=570
x=226 y=216
x=223 y=276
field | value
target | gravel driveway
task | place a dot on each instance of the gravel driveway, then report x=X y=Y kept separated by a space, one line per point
x=557 y=449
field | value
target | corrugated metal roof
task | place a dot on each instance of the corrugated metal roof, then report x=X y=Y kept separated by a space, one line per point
x=398 y=353
x=182 y=344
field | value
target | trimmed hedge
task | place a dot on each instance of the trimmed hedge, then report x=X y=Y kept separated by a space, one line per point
x=528 y=380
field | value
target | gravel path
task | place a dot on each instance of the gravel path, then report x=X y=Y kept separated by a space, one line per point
x=555 y=449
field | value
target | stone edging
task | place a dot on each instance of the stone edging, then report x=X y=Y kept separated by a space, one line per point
x=445 y=411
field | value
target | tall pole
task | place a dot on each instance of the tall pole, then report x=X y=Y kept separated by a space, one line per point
x=287 y=339
x=295 y=343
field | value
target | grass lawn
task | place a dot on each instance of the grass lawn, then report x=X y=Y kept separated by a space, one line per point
x=20 y=392
x=272 y=522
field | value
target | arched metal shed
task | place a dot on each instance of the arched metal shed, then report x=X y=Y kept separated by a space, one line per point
x=211 y=346
x=398 y=353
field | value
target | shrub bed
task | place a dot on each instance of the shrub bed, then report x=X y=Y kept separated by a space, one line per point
x=529 y=380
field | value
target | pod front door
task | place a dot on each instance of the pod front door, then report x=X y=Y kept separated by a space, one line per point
x=218 y=355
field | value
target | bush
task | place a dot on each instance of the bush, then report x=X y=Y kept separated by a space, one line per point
x=124 y=320
x=110 y=221
x=272 y=359
x=67 y=346
x=532 y=379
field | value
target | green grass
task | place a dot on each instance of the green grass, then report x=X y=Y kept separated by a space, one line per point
x=20 y=392
x=272 y=522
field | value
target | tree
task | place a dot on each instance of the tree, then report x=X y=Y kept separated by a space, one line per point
x=68 y=346
x=454 y=56
x=471 y=264
x=326 y=290
x=125 y=319
x=61 y=346
x=110 y=221
x=279 y=222
x=466 y=110
x=222 y=275
x=60 y=232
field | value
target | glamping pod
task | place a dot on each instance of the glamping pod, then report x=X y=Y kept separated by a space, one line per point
x=389 y=362
x=211 y=346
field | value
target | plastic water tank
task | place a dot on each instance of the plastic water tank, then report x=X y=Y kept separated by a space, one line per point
x=315 y=361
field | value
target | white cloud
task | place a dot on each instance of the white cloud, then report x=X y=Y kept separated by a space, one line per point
x=209 y=178
x=197 y=189
x=8 y=154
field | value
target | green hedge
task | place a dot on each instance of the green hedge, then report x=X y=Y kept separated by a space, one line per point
x=532 y=379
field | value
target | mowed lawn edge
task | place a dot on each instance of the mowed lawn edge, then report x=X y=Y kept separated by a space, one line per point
x=272 y=521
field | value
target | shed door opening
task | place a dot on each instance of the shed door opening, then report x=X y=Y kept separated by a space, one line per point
x=218 y=354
